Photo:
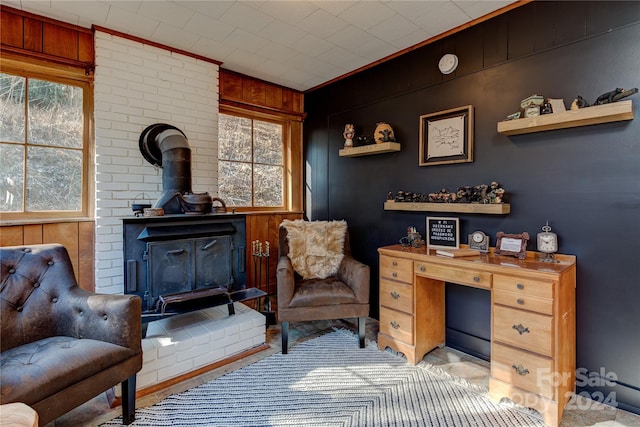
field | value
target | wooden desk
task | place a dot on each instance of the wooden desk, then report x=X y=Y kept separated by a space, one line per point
x=533 y=339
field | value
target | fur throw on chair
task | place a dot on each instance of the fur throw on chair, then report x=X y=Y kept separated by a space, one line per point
x=315 y=247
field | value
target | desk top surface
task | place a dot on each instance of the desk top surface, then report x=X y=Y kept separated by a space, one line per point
x=488 y=261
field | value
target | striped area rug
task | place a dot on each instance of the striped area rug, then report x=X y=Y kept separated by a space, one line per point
x=329 y=381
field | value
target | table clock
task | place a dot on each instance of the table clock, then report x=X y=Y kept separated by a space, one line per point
x=547 y=243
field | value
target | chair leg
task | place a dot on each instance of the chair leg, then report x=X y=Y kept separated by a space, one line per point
x=285 y=336
x=361 y=330
x=129 y=400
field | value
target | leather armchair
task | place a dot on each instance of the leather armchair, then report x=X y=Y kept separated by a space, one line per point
x=62 y=345
x=343 y=295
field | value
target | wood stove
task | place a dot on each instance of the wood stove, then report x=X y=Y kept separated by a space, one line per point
x=181 y=263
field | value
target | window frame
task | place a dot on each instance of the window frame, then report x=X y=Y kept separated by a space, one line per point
x=286 y=144
x=41 y=70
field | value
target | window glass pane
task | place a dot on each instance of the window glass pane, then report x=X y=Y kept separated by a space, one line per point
x=267 y=143
x=12 y=108
x=234 y=183
x=234 y=138
x=11 y=177
x=55 y=114
x=268 y=185
x=54 y=179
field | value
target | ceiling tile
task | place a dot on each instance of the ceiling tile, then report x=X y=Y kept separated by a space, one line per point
x=213 y=9
x=291 y=12
x=283 y=33
x=335 y=7
x=366 y=14
x=167 y=12
x=393 y=28
x=241 y=39
x=205 y=27
x=322 y=24
x=245 y=17
x=130 y=5
x=350 y=37
x=311 y=43
x=128 y=23
x=174 y=37
x=476 y=9
x=443 y=18
x=88 y=12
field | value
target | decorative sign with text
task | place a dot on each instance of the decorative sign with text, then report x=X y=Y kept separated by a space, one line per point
x=443 y=233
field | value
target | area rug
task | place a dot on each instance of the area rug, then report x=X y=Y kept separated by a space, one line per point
x=329 y=381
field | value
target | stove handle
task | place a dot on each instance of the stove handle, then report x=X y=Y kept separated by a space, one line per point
x=208 y=245
x=175 y=252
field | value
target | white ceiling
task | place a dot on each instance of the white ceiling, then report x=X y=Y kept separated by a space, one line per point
x=297 y=44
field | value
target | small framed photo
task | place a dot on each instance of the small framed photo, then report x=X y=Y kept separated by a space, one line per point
x=446 y=137
x=443 y=233
x=512 y=244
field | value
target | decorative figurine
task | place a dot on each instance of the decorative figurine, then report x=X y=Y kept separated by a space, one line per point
x=615 y=95
x=578 y=103
x=546 y=107
x=348 y=134
x=383 y=133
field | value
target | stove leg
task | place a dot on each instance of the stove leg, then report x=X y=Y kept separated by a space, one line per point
x=231 y=308
x=284 y=332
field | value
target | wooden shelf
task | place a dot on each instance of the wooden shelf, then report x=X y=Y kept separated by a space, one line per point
x=367 y=150
x=597 y=114
x=472 y=208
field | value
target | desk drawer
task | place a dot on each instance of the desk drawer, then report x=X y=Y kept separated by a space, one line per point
x=398 y=296
x=534 y=288
x=523 y=329
x=454 y=275
x=396 y=324
x=523 y=369
x=523 y=301
x=396 y=268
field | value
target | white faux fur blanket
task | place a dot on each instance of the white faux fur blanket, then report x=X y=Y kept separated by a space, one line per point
x=315 y=247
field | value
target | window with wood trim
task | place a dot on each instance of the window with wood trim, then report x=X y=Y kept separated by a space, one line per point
x=44 y=143
x=251 y=160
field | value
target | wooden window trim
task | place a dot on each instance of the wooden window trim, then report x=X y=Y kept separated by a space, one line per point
x=59 y=73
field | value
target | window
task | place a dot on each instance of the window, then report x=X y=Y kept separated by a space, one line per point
x=43 y=145
x=250 y=161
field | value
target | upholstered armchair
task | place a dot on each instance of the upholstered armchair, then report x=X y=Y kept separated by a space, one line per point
x=317 y=278
x=62 y=345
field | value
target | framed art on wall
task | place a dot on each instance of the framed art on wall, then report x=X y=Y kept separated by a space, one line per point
x=446 y=137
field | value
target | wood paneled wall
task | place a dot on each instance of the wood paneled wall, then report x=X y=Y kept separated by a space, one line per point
x=264 y=227
x=45 y=38
x=77 y=237
x=238 y=88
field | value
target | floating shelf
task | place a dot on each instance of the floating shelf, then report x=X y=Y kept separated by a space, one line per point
x=606 y=113
x=473 y=208
x=367 y=150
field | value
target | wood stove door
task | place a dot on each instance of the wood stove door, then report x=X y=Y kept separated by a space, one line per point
x=213 y=259
x=170 y=267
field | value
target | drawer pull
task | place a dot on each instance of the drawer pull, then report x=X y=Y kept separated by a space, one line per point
x=395 y=295
x=520 y=301
x=521 y=329
x=520 y=286
x=422 y=268
x=520 y=370
x=394 y=274
x=394 y=263
x=394 y=324
x=476 y=279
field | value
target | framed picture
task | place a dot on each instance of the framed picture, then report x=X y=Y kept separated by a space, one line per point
x=443 y=233
x=512 y=244
x=446 y=137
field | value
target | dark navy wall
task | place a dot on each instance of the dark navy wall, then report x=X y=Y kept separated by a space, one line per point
x=585 y=180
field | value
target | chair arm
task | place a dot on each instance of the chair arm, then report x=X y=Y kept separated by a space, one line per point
x=110 y=318
x=356 y=275
x=285 y=281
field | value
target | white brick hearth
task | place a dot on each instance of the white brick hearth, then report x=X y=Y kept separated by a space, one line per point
x=184 y=343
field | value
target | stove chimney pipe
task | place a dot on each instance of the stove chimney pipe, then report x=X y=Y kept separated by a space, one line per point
x=166 y=146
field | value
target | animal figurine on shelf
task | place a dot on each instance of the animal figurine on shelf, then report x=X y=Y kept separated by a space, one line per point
x=348 y=134
x=615 y=95
x=383 y=133
x=578 y=103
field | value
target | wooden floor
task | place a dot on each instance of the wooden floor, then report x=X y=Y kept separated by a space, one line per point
x=581 y=413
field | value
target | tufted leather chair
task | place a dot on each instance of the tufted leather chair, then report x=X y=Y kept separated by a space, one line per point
x=343 y=296
x=62 y=345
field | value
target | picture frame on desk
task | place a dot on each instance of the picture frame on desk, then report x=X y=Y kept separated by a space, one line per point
x=443 y=232
x=512 y=244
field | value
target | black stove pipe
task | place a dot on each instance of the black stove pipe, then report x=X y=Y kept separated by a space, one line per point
x=166 y=146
